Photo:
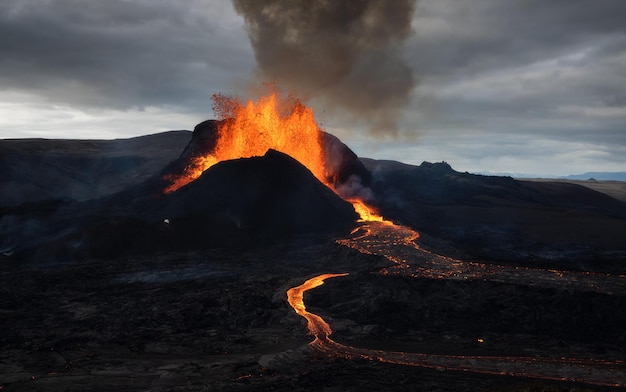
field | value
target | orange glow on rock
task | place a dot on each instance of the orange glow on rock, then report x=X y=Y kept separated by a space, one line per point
x=193 y=170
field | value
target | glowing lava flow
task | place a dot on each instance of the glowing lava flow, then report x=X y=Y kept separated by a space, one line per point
x=366 y=213
x=315 y=324
x=397 y=244
x=591 y=371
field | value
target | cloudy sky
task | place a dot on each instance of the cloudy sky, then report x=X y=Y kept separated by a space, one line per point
x=524 y=86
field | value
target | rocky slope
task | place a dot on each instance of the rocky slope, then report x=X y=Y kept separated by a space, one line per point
x=33 y=170
x=502 y=219
x=238 y=203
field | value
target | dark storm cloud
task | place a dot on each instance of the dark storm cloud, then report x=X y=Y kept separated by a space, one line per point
x=347 y=53
x=464 y=37
x=117 y=53
x=540 y=69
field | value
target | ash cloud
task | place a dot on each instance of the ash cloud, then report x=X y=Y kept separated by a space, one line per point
x=346 y=54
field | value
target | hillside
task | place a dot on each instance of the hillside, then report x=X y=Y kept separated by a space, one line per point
x=502 y=219
x=33 y=170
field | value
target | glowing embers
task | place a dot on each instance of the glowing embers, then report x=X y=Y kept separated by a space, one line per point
x=273 y=122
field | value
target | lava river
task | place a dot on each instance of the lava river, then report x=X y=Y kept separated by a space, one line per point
x=397 y=244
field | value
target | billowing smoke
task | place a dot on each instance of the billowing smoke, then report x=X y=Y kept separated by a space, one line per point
x=347 y=54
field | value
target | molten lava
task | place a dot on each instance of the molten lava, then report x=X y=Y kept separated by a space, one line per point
x=593 y=371
x=285 y=125
x=295 y=296
x=273 y=122
x=366 y=213
x=282 y=124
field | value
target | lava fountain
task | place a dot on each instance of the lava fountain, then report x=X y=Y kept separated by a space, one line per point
x=273 y=122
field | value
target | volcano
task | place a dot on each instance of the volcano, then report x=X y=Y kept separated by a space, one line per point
x=342 y=164
x=238 y=203
x=136 y=284
x=209 y=197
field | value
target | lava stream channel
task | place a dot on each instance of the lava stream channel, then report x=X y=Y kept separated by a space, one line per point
x=591 y=371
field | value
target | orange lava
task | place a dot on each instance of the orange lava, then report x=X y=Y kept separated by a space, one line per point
x=273 y=122
x=315 y=324
x=367 y=214
x=592 y=371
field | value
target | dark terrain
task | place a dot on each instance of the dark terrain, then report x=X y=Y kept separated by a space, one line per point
x=99 y=293
x=34 y=170
x=500 y=219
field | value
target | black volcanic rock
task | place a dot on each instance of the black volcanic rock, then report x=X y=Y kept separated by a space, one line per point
x=238 y=203
x=347 y=173
x=503 y=219
x=264 y=198
x=235 y=205
x=473 y=308
x=203 y=141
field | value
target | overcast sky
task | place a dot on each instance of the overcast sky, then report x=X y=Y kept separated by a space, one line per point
x=525 y=86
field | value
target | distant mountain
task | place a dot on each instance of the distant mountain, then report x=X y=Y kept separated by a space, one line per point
x=600 y=176
x=34 y=170
x=512 y=174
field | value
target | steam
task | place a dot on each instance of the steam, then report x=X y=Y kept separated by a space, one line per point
x=344 y=53
x=353 y=188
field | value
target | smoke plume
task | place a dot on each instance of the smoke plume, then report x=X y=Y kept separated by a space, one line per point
x=345 y=54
